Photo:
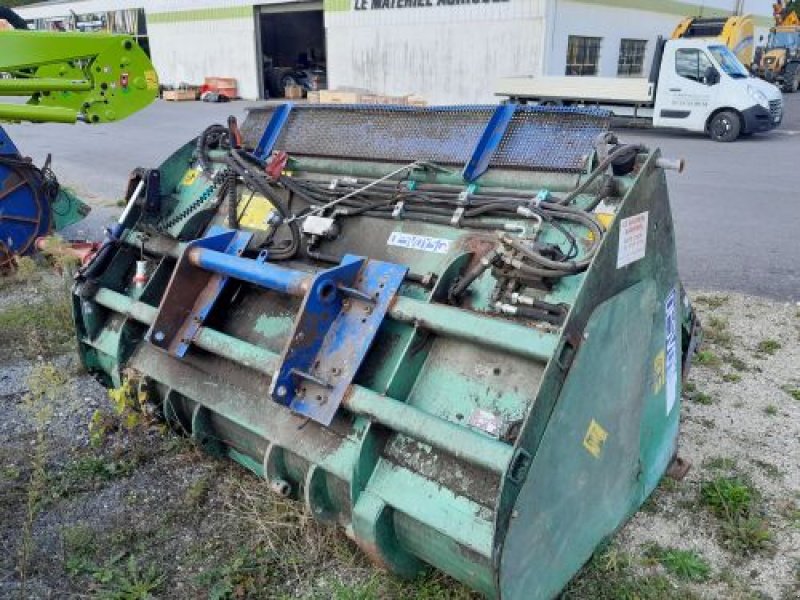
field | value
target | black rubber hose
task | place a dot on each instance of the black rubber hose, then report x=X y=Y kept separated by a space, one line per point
x=601 y=168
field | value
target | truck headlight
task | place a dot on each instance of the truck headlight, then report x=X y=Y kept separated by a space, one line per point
x=758 y=96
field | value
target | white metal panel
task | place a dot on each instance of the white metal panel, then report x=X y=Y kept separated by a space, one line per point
x=447 y=54
x=190 y=51
x=600 y=89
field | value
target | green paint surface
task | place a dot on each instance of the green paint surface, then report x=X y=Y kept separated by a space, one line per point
x=200 y=14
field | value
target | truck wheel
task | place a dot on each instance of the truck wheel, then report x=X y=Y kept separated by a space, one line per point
x=725 y=126
x=791 y=78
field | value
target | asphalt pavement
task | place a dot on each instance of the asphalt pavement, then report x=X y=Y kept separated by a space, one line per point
x=736 y=206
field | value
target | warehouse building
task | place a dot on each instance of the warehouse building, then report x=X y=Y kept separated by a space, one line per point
x=446 y=51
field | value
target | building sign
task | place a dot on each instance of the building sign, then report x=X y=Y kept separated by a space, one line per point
x=388 y=4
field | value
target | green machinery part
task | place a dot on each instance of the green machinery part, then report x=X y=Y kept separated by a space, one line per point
x=97 y=78
x=510 y=413
x=68 y=77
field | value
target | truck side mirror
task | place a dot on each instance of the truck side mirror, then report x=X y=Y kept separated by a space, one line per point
x=712 y=76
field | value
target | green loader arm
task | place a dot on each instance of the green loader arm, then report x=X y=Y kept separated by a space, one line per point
x=95 y=78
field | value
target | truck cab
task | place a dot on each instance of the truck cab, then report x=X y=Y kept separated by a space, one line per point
x=702 y=86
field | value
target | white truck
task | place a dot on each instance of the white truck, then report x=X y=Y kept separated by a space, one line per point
x=694 y=85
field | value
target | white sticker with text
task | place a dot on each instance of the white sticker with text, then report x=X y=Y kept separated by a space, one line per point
x=419 y=242
x=671 y=332
x=632 y=239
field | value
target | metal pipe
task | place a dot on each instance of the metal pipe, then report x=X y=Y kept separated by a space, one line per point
x=267 y=275
x=32 y=86
x=403 y=418
x=483 y=330
x=36 y=114
x=438 y=318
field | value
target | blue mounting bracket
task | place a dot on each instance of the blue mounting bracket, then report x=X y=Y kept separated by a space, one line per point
x=489 y=142
x=273 y=130
x=192 y=292
x=342 y=309
x=336 y=325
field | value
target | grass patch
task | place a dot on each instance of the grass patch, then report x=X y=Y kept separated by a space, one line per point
x=734 y=502
x=735 y=362
x=768 y=346
x=41 y=328
x=707 y=358
x=720 y=463
x=793 y=391
x=712 y=301
x=731 y=378
x=716 y=331
x=609 y=575
x=703 y=398
x=686 y=565
x=89 y=473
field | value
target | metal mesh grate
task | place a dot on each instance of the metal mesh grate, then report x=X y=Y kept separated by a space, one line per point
x=551 y=139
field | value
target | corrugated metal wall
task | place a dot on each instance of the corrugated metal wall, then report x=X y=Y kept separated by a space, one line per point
x=448 y=53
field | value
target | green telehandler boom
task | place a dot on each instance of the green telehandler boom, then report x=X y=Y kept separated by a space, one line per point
x=67 y=77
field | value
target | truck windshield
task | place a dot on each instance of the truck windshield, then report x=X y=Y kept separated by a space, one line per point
x=783 y=39
x=728 y=61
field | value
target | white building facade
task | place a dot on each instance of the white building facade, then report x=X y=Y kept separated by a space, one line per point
x=447 y=51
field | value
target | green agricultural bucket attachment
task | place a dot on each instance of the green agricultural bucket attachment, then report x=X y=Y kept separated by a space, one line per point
x=457 y=333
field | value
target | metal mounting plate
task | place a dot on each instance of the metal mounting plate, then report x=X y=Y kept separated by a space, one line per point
x=334 y=329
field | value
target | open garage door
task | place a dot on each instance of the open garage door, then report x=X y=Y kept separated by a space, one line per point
x=292 y=47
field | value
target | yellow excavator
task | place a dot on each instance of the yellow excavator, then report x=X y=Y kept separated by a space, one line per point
x=736 y=32
x=779 y=61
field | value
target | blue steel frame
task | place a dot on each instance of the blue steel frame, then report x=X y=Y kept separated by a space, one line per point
x=273 y=130
x=489 y=142
x=342 y=310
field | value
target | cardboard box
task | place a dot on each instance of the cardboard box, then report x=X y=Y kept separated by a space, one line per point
x=293 y=92
x=313 y=97
x=180 y=95
x=334 y=97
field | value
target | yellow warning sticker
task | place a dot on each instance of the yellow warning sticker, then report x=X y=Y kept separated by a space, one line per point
x=659 y=371
x=595 y=438
x=190 y=177
x=152 y=80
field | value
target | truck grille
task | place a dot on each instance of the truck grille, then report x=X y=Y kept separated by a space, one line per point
x=776 y=110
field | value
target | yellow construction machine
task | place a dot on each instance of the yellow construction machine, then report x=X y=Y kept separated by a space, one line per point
x=779 y=61
x=736 y=32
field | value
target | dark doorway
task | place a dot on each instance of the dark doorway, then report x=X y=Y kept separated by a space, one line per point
x=292 y=50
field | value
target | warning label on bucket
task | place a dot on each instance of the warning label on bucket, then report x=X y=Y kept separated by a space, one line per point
x=632 y=239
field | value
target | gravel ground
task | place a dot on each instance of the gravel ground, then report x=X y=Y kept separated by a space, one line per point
x=145 y=508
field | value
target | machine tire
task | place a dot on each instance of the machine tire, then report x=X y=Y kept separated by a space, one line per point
x=791 y=78
x=725 y=126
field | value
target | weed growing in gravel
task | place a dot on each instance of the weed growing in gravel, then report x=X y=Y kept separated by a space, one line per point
x=45 y=384
x=41 y=328
x=712 y=302
x=707 y=358
x=684 y=564
x=734 y=501
x=731 y=378
x=703 y=398
x=716 y=331
x=793 y=391
x=771 y=410
x=768 y=347
x=610 y=575
x=735 y=362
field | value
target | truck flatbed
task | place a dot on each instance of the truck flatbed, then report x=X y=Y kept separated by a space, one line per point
x=634 y=91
